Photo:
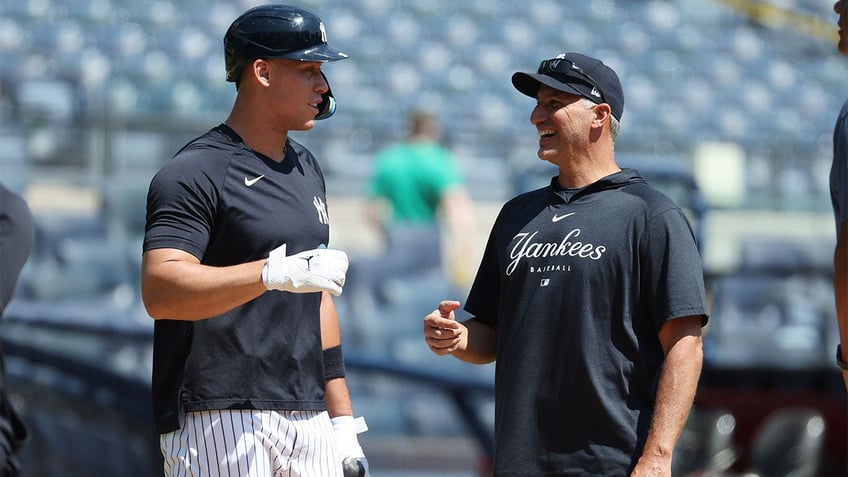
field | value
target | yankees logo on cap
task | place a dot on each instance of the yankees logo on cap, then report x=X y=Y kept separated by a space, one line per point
x=575 y=73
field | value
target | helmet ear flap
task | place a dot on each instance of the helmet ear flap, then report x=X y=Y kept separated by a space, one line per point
x=328 y=103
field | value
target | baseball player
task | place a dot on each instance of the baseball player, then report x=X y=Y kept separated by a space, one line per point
x=248 y=371
x=590 y=296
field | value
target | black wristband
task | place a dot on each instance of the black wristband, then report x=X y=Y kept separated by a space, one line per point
x=334 y=366
x=839 y=361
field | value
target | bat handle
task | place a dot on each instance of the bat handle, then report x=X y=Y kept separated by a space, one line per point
x=353 y=468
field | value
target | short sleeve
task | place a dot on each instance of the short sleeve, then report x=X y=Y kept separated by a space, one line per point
x=181 y=209
x=674 y=272
x=839 y=168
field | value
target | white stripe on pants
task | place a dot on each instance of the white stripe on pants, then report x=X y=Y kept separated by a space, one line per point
x=252 y=443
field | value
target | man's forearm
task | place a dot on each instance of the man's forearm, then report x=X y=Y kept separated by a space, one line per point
x=336 y=395
x=337 y=398
x=840 y=290
x=176 y=286
x=675 y=395
x=480 y=343
x=840 y=285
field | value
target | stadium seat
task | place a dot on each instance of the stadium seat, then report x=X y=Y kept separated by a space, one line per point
x=788 y=443
x=706 y=443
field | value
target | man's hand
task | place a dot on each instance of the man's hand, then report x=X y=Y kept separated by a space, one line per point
x=441 y=331
x=310 y=271
x=354 y=463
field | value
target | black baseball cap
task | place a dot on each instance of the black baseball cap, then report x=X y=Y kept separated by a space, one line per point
x=575 y=73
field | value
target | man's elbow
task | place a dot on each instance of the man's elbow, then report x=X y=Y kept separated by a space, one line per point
x=154 y=308
x=155 y=304
x=698 y=349
x=692 y=347
x=840 y=253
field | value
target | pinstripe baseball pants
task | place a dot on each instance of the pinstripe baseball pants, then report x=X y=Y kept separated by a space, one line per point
x=252 y=443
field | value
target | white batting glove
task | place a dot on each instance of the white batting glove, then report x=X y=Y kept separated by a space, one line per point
x=310 y=271
x=345 y=429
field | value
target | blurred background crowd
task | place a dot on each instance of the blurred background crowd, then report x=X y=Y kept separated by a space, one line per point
x=730 y=110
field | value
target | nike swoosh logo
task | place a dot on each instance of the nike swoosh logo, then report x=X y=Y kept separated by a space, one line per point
x=250 y=182
x=557 y=218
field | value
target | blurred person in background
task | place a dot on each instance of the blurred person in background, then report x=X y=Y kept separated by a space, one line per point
x=7 y=101
x=418 y=201
x=590 y=298
x=17 y=234
x=248 y=371
x=839 y=198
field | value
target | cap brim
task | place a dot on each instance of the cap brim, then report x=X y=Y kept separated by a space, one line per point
x=528 y=84
x=322 y=53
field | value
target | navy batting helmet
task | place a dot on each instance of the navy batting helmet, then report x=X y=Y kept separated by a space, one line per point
x=279 y=31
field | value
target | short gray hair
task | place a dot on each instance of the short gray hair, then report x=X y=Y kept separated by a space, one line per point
x=615 y=125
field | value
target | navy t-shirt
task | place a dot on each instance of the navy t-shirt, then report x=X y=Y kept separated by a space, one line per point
x=226 y=204
x=578 y=285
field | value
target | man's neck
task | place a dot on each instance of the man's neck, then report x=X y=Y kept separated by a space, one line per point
x=261 y=139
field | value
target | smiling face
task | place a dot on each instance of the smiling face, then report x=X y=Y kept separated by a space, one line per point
x=564 y=125
x=840 y=9
x=295 y=92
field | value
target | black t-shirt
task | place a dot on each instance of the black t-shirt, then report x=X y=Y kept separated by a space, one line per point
x=226 y=204
x=578 y=286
